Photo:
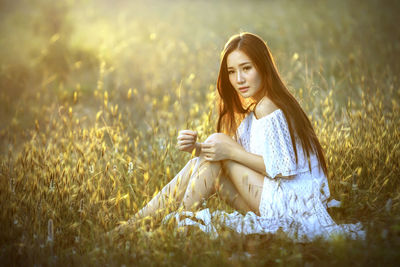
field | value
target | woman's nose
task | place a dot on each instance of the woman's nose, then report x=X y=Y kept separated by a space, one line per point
x=239 y=77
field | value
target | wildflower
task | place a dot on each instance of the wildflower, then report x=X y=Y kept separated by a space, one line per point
x=50 y=231
x=130 y=168
x=91 y=169
x=51 y=186
x=12 y=185
x=81 y=206
x=388 y=205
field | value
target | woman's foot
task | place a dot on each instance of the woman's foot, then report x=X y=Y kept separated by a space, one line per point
x=122 y=230
x=128 y=228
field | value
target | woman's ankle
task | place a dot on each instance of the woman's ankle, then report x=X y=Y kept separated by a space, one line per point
x=135 y=218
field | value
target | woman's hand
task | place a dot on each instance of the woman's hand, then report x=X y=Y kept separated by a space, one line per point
x=219 y=146
x=187 y=140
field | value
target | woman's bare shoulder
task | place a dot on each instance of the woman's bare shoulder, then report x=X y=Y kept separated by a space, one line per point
x=265 y=108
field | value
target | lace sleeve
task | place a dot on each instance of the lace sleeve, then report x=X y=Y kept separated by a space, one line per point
x=278 y=152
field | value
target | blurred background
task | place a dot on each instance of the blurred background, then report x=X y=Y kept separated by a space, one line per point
x=53 y=49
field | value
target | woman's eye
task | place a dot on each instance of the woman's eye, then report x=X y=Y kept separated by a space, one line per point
x=230 y=72
x=247 y=68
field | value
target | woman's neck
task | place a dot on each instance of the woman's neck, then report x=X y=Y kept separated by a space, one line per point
x=261 y=100
x=258 y=97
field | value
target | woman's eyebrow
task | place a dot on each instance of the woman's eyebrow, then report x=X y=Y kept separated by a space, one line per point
x=241 y=64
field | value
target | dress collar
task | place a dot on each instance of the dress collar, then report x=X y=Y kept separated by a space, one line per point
x=266 y=116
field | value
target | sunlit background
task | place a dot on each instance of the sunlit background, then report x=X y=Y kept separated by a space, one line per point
x=93 y=93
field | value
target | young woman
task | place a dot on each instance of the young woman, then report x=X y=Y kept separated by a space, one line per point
x=265 y=159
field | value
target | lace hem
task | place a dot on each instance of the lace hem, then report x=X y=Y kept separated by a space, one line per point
x=251 y=223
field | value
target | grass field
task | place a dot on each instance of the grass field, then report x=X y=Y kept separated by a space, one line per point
x=93 y=94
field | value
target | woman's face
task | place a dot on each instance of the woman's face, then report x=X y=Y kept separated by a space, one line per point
x=243 y=75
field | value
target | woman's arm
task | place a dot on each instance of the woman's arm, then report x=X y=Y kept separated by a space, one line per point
x=222 y=147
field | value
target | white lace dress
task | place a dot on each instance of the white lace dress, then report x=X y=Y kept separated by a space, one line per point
x=296 y=207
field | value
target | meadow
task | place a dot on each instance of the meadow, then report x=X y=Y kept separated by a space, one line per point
x=93 y=94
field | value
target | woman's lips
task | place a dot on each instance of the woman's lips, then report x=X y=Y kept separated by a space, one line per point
x=243 y=89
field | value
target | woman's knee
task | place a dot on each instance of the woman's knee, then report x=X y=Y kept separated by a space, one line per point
x=215 y=166
x=213 y=137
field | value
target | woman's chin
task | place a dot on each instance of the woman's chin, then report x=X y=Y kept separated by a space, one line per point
x=246 y=95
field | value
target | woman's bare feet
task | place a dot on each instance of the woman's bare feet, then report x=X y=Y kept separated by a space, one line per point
x=123 y=229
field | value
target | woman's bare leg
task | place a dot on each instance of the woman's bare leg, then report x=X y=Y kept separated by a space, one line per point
x=196 y=181
x=228 y=192
x=202 y=183
x=172 y=193
x=247 y=182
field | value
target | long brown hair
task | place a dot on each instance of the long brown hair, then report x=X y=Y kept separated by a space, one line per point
x=233 y=108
